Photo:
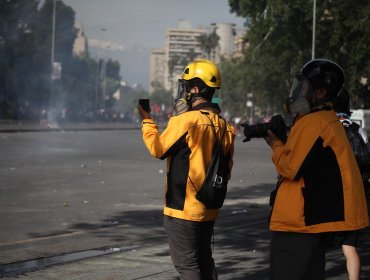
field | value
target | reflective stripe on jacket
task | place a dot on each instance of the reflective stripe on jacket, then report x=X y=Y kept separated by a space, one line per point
x=187 y=144
x=321 y=188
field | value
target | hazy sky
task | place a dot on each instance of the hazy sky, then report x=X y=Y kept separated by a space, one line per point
x=133 y=27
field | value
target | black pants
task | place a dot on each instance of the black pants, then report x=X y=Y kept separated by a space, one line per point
x=190 y=248
x=297 y=256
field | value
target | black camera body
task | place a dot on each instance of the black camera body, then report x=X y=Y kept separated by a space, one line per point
x=259 y=130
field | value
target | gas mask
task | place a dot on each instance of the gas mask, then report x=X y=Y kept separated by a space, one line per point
x=300 y=98
x=183 y=100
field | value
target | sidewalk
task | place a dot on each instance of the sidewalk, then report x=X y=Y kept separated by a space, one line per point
x=32 y=126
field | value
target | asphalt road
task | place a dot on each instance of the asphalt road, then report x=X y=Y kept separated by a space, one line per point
x=60 y=182
x=64 y=192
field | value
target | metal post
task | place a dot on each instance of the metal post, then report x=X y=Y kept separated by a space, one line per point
x=53 y=42
x=313 y=29
x=96 y=101
x=51 y=102
x=104 y=82
x=104 y=73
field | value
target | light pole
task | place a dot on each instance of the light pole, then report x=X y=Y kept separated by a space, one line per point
x=104 y=66
x=313 y=28
x=102 y=72
x=52 y=56
x=96 y=99
x=53 y=41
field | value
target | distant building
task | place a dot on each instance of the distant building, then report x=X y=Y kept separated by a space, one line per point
x=240 y=45
x=182 y=45
x=157 y=68
x=80 y=46
x=226 y=32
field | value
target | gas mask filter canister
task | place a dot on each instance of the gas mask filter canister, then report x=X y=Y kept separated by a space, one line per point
x=297 y=102
x=300 y=106
x=181 y=106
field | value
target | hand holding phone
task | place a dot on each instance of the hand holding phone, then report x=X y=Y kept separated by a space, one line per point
x=144 y=103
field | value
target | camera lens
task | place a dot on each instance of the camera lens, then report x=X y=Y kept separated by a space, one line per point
x=255 y=131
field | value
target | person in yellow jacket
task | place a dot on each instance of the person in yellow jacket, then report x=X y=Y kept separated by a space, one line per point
x=320 y=188
x=187 y=143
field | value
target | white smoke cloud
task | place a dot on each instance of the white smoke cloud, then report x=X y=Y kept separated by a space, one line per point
x=108 y=45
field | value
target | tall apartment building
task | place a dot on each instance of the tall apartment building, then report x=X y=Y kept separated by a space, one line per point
x=157 y=68
x=182 y=45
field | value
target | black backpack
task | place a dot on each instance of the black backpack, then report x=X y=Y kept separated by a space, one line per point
x=213 y=190
x=361 y=151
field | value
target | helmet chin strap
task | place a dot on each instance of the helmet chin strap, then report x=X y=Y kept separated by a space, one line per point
x=191 y=97
x=185 y=103
x=194 y=98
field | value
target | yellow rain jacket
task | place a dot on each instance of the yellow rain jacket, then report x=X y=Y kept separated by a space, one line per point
x=320 y=187
x=187 y=144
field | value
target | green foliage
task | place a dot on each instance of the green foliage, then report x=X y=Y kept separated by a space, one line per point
x=17 y=54
x=162 y=96
x=208 y=42
x=234 y=91
x=130 y=100
x=280 y=38
x=26 y=87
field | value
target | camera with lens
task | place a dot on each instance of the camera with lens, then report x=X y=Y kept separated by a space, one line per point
x=259 y=130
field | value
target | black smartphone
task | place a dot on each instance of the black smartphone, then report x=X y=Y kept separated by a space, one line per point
x=144 y=103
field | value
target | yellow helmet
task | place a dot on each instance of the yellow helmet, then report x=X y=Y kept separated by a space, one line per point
x=205 y=70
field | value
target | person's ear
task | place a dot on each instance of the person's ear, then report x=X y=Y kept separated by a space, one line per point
x=321 y=93
x=194 y=90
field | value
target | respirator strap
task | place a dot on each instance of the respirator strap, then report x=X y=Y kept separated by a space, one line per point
x=207 y=104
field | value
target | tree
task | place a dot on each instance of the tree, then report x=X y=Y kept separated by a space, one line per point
x=172 y=63
x=275 y=50
x=26 y=86
x=26 y=35
x=348 y=27
x=161 y=96
x=112 y=82
x=280 y=37
x=65 y=34
x=208 y=42
x=234 y=89
x=190 y=56
x=16 y=50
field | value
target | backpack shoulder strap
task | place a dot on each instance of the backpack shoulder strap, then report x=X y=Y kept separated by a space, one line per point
x=354 y=126
x=214 y=129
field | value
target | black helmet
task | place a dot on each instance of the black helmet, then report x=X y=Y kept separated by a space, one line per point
x=324 y=73
x=315 y=74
